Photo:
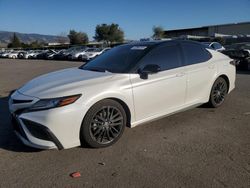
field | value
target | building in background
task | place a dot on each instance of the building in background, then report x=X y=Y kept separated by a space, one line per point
x=234 y=30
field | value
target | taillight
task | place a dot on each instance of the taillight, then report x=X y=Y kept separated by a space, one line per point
x=234 y=62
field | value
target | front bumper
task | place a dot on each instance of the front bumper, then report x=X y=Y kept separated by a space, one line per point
x=35 y=135
x=56 y=128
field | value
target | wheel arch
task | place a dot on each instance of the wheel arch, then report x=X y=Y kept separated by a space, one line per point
x=212 y=83
x=120 y=101
x=126 y=108
x=226 y=79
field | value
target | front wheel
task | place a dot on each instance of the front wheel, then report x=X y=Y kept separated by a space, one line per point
x=103 y=124
x=218 y=92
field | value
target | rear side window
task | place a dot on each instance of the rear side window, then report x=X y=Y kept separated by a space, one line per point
x=195 y=53
x=165 y=56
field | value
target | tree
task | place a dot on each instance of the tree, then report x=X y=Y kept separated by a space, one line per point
x=15 y=42
x=158 y=32
x=78 y=37
x=109 y=33
x=36 y=44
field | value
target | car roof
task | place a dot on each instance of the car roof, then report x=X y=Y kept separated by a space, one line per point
x=158 y=42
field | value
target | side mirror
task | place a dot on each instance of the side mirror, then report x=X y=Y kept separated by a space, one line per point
x=149 y=69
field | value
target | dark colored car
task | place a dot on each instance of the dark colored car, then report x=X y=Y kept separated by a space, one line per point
x=241 y=53
x=45 y=54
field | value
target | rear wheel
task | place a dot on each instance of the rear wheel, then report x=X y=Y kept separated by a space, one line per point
x=103 y=124
x=218 y=92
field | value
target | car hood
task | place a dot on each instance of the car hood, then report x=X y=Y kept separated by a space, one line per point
x=63 y=83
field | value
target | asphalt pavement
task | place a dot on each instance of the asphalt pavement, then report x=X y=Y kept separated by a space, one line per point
x=202 y=147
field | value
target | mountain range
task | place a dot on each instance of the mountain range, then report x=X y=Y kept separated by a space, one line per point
x=5 y=38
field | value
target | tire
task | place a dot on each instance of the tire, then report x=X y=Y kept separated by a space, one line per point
x=79 y=58
x=218 y=93
x=103 y=124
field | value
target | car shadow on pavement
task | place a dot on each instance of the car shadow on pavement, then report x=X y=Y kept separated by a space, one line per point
x=8 y=139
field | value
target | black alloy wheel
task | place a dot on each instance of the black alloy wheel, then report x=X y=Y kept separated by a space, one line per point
x=103 y=124
x=218 y=93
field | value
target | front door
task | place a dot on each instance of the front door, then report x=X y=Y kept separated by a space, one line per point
x=162 y=92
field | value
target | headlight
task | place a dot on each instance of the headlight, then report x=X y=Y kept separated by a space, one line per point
x=45 y=104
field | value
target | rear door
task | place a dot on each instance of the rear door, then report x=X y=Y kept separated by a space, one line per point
x=164 y=91
x=200 y=69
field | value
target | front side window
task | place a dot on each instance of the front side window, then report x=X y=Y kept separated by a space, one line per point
x=195 y=53
x=165 y=56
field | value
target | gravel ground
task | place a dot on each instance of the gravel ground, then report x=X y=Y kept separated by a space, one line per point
x=201 y=147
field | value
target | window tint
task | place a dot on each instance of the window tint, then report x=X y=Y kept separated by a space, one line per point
x=165 y=56
x=195 y=53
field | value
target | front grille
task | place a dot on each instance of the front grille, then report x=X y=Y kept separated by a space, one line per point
x=15 y=101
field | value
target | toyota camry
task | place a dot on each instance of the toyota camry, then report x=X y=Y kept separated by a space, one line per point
x=128 y=85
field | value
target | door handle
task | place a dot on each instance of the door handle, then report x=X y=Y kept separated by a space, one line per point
x=180 y=74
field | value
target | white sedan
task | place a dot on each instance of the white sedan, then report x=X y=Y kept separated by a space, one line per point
x=5 y=54
x=31 y=54
x=129 y=85
x=13 y=55
x=77 y=54
x=92 y=53
x=215 y=46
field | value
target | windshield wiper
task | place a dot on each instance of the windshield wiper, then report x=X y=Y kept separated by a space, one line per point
x=96 y=69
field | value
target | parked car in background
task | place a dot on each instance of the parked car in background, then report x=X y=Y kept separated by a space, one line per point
x=52 y=54
x=65 y=54
x=89 y=50
x=60 y=55
x=214 y=45
x=13 y=55
x=21 y=54
x=241 y=53
x=44 y=54
x=31 y=54
x=76 y=54
x=1 y=53
x=92 y=53
x=128 y=85
x=5 y=54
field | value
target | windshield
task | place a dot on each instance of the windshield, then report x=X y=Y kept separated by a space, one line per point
x=117 y=60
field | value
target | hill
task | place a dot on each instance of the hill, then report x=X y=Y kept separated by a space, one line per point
x=5 y=37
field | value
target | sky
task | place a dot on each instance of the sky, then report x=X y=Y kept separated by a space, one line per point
x=135 y=17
